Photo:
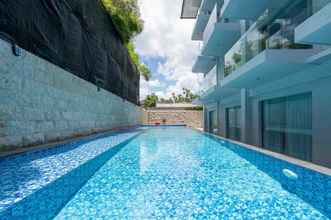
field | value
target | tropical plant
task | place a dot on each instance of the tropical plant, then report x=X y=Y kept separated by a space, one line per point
x=144 y=71
x=196 y=108
x=142 y=68
x=187 y=96
x=151 y=101
x=236 y=57
x=125 y=15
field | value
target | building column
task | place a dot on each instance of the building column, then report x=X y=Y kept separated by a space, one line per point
x=244 y=115
x=205 y=119
x=220 y=70
x=222 y=120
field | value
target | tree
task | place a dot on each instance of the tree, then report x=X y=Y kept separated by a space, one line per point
x=165 y=101
x=151 y=101
x=189 y=95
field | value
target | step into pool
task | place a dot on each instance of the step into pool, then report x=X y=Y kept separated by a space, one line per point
x=161 y=173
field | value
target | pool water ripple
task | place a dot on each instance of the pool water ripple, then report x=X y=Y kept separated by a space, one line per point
x=178 y=173
x=25 y=177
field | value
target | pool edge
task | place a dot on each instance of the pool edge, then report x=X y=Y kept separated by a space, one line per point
x=50 y=145
x=292 y=160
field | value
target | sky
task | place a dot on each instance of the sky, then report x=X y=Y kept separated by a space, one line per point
x=165 y=46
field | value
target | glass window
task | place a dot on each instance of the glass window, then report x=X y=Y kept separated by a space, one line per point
x=213 y=124
x=287 y=125
x=233 y=123
x=210 y=80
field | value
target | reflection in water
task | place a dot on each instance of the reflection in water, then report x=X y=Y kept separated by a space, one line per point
x=180 y=173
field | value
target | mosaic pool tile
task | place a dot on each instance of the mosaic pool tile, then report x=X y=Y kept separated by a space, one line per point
x=161 y=173
x=28 y=180
x=177 y=173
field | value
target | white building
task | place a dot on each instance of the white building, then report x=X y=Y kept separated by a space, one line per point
x=267 y=73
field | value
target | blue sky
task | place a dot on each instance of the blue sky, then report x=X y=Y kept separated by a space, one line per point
x=165 y=46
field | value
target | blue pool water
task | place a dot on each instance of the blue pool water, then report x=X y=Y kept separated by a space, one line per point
x=173 y=173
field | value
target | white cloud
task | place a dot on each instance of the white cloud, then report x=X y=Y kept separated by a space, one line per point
x=166 y=35
x=148 y=87
x=154 y=83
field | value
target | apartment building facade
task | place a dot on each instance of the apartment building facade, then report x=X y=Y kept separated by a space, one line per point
x=267 y=68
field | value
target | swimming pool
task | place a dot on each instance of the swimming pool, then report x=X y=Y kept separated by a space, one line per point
x=173 y=173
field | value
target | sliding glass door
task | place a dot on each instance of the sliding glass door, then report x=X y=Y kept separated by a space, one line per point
x=233 y=124
x=213 y=125
x=287 y=125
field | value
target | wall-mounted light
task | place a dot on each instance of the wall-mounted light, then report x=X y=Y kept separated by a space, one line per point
x=16 y=50
x=99 y=83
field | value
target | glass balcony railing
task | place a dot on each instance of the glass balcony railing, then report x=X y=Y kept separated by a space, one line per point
x=317 y=5
x=273 y=30
x=209 y=82
x=210 y=26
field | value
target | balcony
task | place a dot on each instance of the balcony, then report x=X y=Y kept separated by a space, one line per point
x=211 y=91
x=265 y=67
x=190 y=9
x=317 y=28
x=244 y=9
x=209 y=81
x=215 y=94
x=218 y=36
x=204 y=64
x=203 y=16
x=268 y=44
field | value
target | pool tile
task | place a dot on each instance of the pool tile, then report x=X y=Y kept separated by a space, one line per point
x=26 y=175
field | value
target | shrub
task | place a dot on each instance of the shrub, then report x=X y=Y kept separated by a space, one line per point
x=125 y=15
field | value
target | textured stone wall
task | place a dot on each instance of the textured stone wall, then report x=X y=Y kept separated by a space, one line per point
x=41 y=103
x=77 y=35
x=190 y=118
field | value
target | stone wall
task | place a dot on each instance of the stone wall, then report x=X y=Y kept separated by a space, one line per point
x=42 y=103
x=190 y=118
x=77 y=35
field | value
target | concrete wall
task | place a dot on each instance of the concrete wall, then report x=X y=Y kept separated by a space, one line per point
x=41 y=103
x=191 y=118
